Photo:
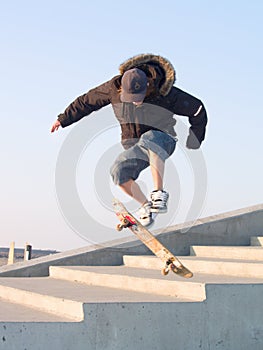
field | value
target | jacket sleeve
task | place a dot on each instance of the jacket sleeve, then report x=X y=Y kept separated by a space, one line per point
x=84 y=105
x=198 y=127
x=187 y=105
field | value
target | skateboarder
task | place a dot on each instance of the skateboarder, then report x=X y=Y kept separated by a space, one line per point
x=144 y=100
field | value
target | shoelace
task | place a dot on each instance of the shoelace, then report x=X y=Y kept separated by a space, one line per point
x=159 y=196
x=145 y=210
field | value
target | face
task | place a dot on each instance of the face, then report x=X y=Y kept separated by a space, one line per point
x=141 y=102
x=138 y=103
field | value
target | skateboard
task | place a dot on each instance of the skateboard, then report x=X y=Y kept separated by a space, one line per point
x=127 y=220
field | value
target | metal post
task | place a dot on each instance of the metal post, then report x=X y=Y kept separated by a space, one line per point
x=11 y=254
x=28 y=252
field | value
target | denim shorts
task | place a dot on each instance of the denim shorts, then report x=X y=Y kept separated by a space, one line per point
x=132 y=161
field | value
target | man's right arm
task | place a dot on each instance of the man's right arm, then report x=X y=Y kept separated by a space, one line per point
x=84 y=105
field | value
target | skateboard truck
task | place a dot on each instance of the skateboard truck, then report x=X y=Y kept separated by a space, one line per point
x=126 y=221
x=169 y=265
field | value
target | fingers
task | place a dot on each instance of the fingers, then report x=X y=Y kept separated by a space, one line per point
x=55 y=126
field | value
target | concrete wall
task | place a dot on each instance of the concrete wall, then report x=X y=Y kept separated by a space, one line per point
x=231 y=318
x=232 y=228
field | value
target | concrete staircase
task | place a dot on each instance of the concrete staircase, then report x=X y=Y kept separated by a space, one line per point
x=132 y=306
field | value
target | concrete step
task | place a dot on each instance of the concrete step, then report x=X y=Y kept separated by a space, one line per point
x=256 y=241
x=21 y=291
x=147 y=280
x=132 y=279
x=112 y=323
x=13 y=312
x=223 y=267
x=47 y=299
x=240 y=253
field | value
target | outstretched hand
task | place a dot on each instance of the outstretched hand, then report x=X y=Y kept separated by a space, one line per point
x=55 y=126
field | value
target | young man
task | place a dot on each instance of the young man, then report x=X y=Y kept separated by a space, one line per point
x=144 y=101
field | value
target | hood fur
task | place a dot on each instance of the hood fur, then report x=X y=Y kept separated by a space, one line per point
x=142 y=59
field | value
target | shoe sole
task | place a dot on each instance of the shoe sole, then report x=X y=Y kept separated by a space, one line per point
x=160 y=211
x=146 y=225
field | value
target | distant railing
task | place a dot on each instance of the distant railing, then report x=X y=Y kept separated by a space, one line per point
x=11 y=253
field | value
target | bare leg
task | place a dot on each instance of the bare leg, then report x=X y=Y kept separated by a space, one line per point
x=132 y=189
x=157 y=169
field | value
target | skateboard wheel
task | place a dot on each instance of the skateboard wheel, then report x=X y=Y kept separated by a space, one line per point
x=125 y=221
x=165 y=271
x=119 y=227
x=173 y=267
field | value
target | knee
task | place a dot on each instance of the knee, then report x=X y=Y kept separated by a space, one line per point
x=118 y=174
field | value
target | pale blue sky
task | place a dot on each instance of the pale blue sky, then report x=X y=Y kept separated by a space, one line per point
x=53 y=51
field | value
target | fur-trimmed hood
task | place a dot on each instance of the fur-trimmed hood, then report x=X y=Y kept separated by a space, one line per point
x=156 y=67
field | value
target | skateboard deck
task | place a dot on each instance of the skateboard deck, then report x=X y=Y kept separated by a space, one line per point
x=127 y=220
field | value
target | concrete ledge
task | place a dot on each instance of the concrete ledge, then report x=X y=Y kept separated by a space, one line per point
x=245 y=253
x=220 y=267
x=109 y=254
x=137 y=280
x=13 y=312
x=232 y=228
x=69 y=309
x=230 y=318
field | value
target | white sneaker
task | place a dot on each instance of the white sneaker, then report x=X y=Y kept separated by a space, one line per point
x=159 y=201
x=146 y=214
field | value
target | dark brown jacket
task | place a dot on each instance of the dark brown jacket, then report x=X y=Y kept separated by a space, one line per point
x=157 y=111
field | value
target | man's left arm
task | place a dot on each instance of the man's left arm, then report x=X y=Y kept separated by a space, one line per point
x=187 y=105
x=198 y=128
